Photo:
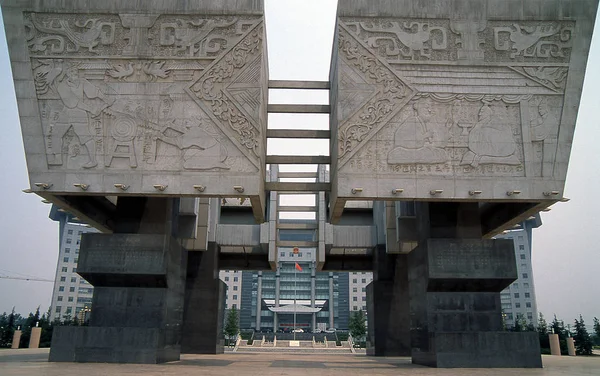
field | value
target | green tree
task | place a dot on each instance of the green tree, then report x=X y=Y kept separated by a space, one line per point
x=542 y=330
x=231 y=325
x=7 y=328
x=583 y=341
x=357 y=326
x=597 y=330
x=520 y=324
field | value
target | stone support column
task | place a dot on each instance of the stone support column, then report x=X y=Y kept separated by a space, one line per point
x=138 y=274
x=571 y=346
x=34 y=340
x=277 y=287
x=204 y=308
x=455 y=279
x=387 y=306
x=258 y=301
x=313 y=277
x=16 y=339
x=554 y=344
x=331 y=303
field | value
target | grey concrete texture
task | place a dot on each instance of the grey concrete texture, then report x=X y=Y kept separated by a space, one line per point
x=26 y=362
x=130 y=105
x=417 y=87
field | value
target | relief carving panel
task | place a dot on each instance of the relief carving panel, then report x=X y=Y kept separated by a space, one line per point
x=190 y=100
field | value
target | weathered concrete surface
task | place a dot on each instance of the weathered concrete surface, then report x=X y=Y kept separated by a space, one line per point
x=27 y=362
x=455 y=100
x=142 y=98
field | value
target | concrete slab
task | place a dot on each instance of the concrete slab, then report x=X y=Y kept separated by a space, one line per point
x=34 y=361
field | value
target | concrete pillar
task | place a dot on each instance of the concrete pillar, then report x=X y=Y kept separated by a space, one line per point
x=331 y=304
x=275 y=322
x=455 y=278
x=388 y=315
x=312 y=295
x=554 y=344
x=571 y=346
x=34 y=340
x=277 y=287
x=203 y=313
x=16 y=339
x=138 y=274
x=258 y=301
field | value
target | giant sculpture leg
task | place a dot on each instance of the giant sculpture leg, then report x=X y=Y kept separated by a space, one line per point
x=388 y=309
x=455 y=279
x=204 y=304
x=138 y=278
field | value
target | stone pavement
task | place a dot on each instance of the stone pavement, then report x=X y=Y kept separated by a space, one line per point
x=34 y=362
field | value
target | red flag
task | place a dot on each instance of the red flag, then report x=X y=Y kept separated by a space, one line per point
x=298 y=268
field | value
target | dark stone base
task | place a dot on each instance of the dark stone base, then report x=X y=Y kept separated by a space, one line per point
x=388 y=320
x=481 y=350
x=112 y=345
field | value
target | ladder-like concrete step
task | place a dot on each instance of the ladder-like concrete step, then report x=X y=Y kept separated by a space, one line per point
x=298 y=187
x=298 y=133
x=299 y=108
x=298 y=159
x=305 y=209
x=312 y=85
x=298 y=226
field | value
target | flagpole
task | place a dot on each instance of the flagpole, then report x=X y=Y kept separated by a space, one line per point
x=295 y=295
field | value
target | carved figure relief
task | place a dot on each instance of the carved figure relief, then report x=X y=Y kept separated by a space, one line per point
x=417 y=141
x=101 y=110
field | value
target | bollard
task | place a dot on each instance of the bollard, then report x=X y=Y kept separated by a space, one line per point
x=16 y=339
x=571 y=346
x=554 y=344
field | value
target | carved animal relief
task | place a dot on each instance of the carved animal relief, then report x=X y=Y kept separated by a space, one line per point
x=191 y=98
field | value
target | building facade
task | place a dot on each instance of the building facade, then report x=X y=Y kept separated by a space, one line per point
x=358 y=282
x=519 y=298
x=71 y=295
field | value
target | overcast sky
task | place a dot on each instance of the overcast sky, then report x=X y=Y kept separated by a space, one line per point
x=565 y=252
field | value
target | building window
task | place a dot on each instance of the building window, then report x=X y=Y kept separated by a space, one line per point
x=71 y=289
x=354 y=289
x=515 y=285
x=299 y=254
x=78 y=241
x=354 y=280
x=525 y=275
x=58 y=308
x=74 y=270
x=364 y=308
x=70 y=298
x=63 y=279
x=282 y=254
x=64 y=269
x=517 y=305
x=363 y=280
x=523 y=257
x=235 y=288
x=235 y=279
x=530 y=315
x=65 y=259
x=509 y=316
x=69 y=310
x=76 y=260
x=527 y=295
x=226 y=279
x=235 y=297
x=364 y=298
x=355 y=299
x=355 y=308
x=70 y=232
x=234 y=306
x=73 y=279
x=59 y=298
x=521 y=247
x=526 y=285
x=67 y=250
x=291 y=254
x=61 y=288
x=520 y=237
x=364 y=289
x=528 y=305
x=516 y=295
x=68 y=240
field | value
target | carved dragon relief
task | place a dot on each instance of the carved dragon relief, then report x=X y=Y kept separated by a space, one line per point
x=211 y=89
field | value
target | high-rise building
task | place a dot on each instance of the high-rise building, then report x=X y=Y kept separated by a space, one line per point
x=71 y=294
x=519 y=298
x=358 y=282
x=233 y=280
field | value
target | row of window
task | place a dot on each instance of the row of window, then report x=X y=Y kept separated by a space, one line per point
x=235 y=297
x=66 y=270
x=355 y=298
x=235 y=279
x=516 y=285
x=361 y=281
x=509 y=316
x=66 y=259
x=356 y=308
x=354 y=289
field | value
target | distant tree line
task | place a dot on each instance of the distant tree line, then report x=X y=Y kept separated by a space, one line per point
x=10 y=322
x=584 y=341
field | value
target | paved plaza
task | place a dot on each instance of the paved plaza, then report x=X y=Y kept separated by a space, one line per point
x=34 y=362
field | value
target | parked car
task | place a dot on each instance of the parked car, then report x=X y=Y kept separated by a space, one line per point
x=298 y=331
x=330 y=330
